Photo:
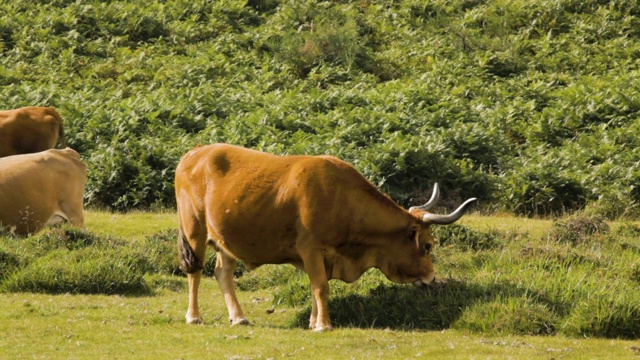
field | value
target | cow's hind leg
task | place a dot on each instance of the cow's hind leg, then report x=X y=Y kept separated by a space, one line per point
x=225 y=266
x=193 y=312
x=191 y=259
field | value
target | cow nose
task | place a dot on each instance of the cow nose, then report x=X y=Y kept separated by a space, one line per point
x=427 y=280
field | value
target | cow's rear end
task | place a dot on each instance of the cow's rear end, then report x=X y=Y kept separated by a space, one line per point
x=41 y=189
x=193 y=184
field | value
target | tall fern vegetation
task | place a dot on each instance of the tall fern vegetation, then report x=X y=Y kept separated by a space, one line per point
x=530 y=105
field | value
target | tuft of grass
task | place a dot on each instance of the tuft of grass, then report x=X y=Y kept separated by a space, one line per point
x=604 y=318
x=578 y=229
x=628 y=230
x=71 y=260
x=66 y=237
x=466 y=238
x=8 y=263
x=161 y=251
x=84 y=271
x=511 y=315
x=271 y=276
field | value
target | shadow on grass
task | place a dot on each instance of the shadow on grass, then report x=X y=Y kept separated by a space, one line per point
x=501 y=308
x=436 y=307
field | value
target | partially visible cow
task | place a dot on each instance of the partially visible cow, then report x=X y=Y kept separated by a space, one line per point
x=317 y=213
x=41 y=189
x=29 y=130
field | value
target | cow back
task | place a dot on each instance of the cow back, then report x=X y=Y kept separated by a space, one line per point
x=29 y=130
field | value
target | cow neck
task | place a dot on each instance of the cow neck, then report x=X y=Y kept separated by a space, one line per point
x=390 y=222
x=379 y=213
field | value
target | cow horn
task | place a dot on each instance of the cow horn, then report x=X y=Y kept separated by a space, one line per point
x=435 y=196
x=447 y=219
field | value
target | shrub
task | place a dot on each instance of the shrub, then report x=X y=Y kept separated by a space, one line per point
x=493 y=98
x=65 y=237
x=318 y=37
x=578 y=229
x=542 y=190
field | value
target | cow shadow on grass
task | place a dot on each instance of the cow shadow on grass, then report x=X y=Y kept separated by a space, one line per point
x=435 y=307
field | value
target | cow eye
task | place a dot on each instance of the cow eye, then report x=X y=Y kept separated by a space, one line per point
x=428 y=247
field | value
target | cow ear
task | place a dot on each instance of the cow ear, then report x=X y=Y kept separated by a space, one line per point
x=415 y=235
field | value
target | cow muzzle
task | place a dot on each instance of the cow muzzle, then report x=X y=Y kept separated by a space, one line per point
x=425 y=280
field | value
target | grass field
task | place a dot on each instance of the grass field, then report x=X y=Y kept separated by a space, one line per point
x=115 y=327
x=79 y=326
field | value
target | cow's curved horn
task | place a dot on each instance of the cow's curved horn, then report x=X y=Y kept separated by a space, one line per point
x=435 y=196
x=448 y=219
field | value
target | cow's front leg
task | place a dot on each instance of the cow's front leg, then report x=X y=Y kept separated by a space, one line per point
x=193 y=313
x=225 y=266
x=314 y=266
x=314 y=313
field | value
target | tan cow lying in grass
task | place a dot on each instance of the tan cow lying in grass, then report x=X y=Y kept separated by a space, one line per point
x=29 y=130
x=317 y=213
x=41 y=189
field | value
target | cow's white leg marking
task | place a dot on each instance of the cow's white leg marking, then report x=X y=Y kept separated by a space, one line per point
x=225 y=266
x=314 y=266
x=314 y=313
x=193 y=313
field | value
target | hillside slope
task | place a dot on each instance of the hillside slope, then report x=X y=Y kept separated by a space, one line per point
x=532 y=106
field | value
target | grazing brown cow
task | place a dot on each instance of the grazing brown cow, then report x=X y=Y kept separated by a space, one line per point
x=29 y=130
x=315 y=212
x=41 y=189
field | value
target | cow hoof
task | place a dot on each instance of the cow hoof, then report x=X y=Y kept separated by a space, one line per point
x=243 y=322
x=321 y=329
x=194 y=321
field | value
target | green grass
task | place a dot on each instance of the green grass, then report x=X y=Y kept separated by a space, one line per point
x=526 y=296
x=107 y=327
x=146 y=224
x=535 y=227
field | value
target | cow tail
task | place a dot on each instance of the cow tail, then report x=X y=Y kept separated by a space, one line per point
x=63 y=141
x=189 y=262
x=61 y=138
